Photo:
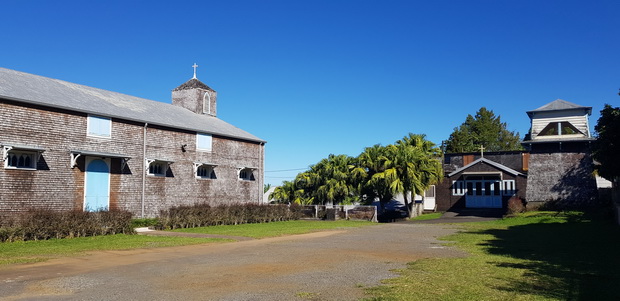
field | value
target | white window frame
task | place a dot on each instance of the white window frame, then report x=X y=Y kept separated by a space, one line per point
x=16 y=155
x=150 y=165
x=458 y=188
x=204 y=142
x=508 y=187
x=95 y=123
x=206 y=103
x=210 y=167
x=9 y=152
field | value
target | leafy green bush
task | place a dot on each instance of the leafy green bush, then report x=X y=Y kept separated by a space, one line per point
x=42 y=224
x=144 y=222
x=202 y=215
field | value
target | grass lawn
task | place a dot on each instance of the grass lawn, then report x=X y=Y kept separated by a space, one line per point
x=535 y=256
x=276 y=228
x=35 y=251
x=427 y=216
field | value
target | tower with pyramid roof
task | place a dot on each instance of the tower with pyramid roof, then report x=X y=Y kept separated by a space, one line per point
x=195 y=96
x=560 y=165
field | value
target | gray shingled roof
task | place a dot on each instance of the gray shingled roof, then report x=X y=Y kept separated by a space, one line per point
x=559 y=105
x=39 y=90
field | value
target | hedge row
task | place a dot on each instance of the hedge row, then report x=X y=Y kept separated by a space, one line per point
x=202 y=215
x=40 y=224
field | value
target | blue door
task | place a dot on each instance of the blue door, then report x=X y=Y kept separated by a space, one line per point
x=97 y=191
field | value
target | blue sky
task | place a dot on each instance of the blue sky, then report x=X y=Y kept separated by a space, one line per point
x=320 y=77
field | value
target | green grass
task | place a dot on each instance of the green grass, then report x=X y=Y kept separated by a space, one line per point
x=534 y=256
x=276 y=228
x=427 y=216
x=35 y=251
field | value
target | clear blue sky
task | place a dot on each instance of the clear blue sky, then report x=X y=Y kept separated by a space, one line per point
x=320 y=77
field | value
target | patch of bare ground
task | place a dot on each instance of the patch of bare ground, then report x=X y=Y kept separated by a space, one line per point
x=327 y=265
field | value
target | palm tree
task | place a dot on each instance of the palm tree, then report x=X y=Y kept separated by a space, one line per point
x=328 y=181
x=369 y=175
x=417 y=166
x=291 y=194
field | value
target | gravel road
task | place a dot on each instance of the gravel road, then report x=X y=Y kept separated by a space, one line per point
x=328 y=265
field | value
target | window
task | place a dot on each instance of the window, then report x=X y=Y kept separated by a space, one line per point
x=247 y=174
x=559 y=128
x=458 y=188
x=157 y=167
x=99 y=126
x=204 y=142
x=205 y=171
x=206 y=107
x=21 y=157
x=509 y=187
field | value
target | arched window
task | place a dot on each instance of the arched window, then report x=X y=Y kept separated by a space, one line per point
x=206 y=107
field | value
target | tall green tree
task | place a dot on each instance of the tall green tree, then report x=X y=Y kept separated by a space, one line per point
x=289 y=193
x=607 y=146
x=483 y=129
x=410 y=165
x=329 y=181
x=368 y=175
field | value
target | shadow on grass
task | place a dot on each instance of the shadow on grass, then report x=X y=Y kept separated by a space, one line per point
x=576 y=260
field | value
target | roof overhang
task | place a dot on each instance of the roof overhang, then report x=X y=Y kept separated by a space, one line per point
x=487 y=161
x=75 y=154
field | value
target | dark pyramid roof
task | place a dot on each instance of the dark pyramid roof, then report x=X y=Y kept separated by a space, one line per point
x=193 y=84
x=560 y=105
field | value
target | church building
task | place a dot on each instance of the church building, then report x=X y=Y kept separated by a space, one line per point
x=556 y=166
x=67 y=146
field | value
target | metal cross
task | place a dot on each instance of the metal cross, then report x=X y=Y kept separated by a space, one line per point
x=481 y=151
x=195 y=66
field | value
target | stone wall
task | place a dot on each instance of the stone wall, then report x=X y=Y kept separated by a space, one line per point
x=56 y=185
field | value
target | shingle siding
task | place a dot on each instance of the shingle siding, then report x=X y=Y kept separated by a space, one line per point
x=55 y=185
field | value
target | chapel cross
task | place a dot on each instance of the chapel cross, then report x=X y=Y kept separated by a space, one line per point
x=195 y=66
x=481 y=151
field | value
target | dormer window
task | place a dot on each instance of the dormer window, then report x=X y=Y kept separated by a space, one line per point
x=559 y=128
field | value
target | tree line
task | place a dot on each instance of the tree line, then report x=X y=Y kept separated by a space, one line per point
x=412 y=164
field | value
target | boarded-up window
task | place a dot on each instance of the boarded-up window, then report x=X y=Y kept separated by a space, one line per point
x=467 y=159
x=204 y=142
x=525 y=158
x=99 y=126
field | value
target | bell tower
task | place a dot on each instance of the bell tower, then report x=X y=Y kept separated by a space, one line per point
x=195 y=96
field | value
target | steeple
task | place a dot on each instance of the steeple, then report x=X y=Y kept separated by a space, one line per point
x=195 y=96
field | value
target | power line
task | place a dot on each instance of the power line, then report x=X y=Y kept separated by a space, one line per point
x=286 y=170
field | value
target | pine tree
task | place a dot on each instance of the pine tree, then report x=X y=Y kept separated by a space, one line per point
x=483 y=129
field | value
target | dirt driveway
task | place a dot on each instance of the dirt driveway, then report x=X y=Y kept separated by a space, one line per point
x=329 y=265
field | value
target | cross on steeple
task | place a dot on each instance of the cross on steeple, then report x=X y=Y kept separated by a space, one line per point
x=195 y=66
x=481 y=151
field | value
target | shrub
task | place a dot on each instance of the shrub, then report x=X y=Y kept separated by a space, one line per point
x=515 y=205
x=144 y=222
x=41 y=224
x=202 y=215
